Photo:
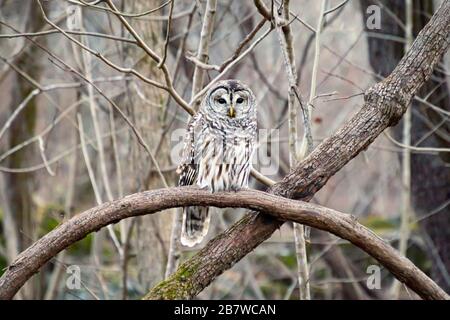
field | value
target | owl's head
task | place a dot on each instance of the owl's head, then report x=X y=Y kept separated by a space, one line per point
x=230 y=99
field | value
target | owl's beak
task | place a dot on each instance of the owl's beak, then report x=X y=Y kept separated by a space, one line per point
x=231 y=112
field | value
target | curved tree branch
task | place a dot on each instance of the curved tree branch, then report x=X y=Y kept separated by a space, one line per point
x=342 y=225
x=384 y=105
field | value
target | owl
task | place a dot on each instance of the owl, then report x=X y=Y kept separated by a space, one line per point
x=218 y=149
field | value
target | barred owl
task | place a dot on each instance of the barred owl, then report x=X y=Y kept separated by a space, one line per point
x=218 y=149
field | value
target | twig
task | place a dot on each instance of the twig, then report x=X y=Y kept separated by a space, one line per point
x=203 y=46
x=116 y=108
x=262 y=178
x=296 y=17
x=166 y=42
x=42 y=133
x=242 y=44
x=80 y=33
x=87 y=64
x=54 y=159
x=44 y=158
x=168 y=87
x=94 y=184
x=286 y=42
x=417 y=149
x=123 y=14
x=19 y=108
x=337 y=7
x=174 y=252
x=126 y=247
x=307 y=141
x=228 y=67
x=55 y=277
x=202 y=65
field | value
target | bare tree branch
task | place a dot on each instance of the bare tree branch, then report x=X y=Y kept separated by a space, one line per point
x=148 y=202
x=286 y=42
x=385 y=103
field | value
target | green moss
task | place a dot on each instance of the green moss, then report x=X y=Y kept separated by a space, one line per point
x=50 y=216
x=289 y=260
x=185 y=271
x=377 y=223
x=3 y=265
x=82 y=247
x=178 y=286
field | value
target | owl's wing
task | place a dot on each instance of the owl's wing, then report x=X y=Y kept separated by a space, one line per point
x=188 y=168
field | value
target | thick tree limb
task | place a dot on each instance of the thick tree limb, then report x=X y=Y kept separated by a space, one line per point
x=385 y=103
x=343 y=225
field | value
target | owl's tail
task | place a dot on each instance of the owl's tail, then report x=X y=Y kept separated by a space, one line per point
x=195 y=225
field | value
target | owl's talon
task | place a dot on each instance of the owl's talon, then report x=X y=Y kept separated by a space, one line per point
x=235 y=188
x=205 y=188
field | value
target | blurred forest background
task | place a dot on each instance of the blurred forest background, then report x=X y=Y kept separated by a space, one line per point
x=65 y=68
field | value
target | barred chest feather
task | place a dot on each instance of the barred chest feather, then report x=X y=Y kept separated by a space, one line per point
x=227 y=152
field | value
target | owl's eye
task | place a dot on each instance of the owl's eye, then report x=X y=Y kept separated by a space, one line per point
x=240 y=100
x=221 y=101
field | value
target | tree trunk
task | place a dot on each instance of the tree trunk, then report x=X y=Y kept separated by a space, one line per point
x=430 y=185
x=147 y=106
x=21 y=186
